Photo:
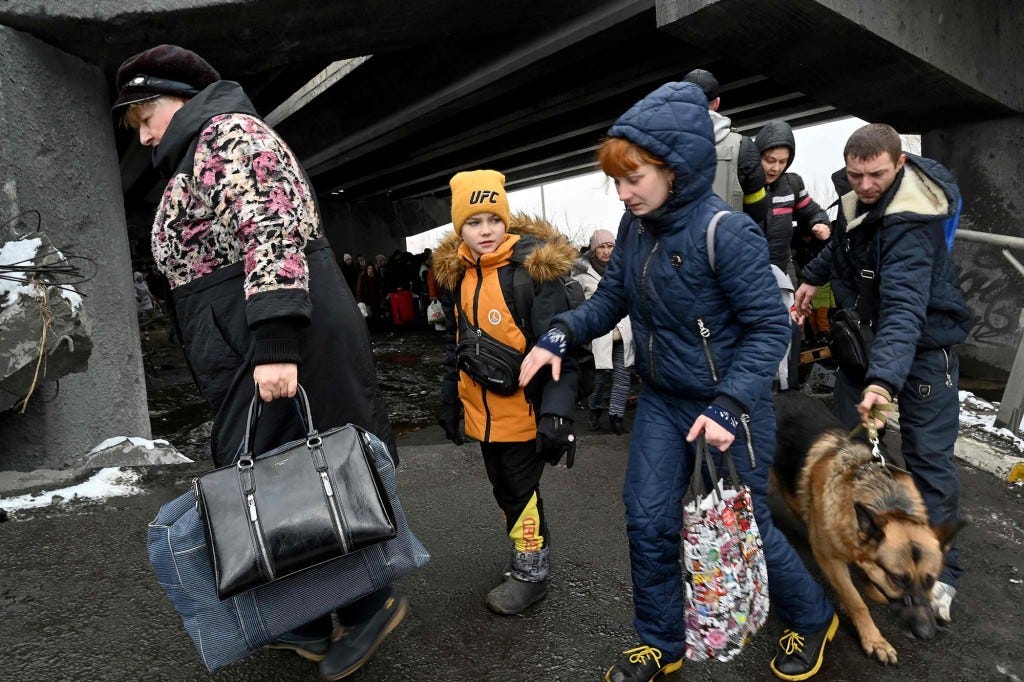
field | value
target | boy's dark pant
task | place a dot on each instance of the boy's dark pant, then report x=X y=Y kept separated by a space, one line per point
x=514 y=470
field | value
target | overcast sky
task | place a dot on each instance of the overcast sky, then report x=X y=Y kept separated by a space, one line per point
x=580 y=205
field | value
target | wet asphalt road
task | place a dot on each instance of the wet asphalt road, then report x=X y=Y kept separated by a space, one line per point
x=78 y=600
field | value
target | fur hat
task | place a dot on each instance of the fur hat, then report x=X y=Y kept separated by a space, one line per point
x=601 y=237
x=479 y=191
x=162 y=70
x=705 y=80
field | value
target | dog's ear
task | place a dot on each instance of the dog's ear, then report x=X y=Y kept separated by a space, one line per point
x=868 y=523
x=945 y=532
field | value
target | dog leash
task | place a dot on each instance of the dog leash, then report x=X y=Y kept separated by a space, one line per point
x=879 y=411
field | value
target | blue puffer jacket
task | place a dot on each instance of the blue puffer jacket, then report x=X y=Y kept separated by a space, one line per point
x=920 y=303
x=700 y=334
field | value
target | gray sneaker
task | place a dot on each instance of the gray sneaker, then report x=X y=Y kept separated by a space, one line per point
x=513 y=596
x=942 y=599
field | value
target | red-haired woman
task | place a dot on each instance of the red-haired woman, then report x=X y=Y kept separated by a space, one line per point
x=708 y=341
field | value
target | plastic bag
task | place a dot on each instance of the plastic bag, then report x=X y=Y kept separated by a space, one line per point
x=435 y=313
x=727 y=593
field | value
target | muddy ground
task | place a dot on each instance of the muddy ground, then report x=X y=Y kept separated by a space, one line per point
x=408 y=362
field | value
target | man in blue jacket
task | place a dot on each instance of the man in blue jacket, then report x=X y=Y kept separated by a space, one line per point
x=900 y=201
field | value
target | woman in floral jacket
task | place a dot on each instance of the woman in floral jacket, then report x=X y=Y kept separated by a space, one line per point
x=259 y=297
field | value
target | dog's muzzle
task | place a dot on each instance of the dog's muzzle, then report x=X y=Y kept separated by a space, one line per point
x=915 y=614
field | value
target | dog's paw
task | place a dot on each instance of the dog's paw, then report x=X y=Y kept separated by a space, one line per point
x=879 y=648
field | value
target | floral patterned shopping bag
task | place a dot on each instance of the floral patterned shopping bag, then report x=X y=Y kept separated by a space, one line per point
x=727 y=593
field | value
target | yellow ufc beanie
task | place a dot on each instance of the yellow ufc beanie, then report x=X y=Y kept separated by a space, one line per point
x=479 y=191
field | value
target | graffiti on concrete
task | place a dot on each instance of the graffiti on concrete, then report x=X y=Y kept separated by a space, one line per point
x=994 y=294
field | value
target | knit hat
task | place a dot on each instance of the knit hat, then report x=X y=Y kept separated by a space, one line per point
x=479 y=191
x=162 y=70
x=705 y=80
x=601 y=237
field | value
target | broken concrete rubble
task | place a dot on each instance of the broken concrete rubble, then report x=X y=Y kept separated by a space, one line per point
x=39 y=312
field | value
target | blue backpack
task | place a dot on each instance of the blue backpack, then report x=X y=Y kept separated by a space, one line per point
x=951 y=223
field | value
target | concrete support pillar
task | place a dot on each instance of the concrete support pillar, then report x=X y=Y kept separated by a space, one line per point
x=57 y=156
x=372 y=227
x=986 y=160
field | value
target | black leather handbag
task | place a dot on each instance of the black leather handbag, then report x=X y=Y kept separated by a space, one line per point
x=851 y=333
x=849 y=342
x=297 y=506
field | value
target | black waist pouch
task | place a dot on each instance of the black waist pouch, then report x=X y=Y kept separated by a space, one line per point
x=489 y=361
x=850 y=341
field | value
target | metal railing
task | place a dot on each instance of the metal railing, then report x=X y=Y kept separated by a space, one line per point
x=1011 y=409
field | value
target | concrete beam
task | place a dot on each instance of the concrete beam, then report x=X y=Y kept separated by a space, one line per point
x=977 y=43
x=60 y=160
x=245 y=37
x=379 y=225
x=917 y=64
x=418 y=115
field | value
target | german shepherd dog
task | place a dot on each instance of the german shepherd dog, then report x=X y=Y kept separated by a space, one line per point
x=861 y=512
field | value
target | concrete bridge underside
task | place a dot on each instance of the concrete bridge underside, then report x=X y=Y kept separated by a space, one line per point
x=528 y=87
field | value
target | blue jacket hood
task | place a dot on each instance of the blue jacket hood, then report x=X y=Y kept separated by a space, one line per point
x=673 y=124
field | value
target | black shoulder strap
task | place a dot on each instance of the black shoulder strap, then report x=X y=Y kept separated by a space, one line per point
x=869 y=279
x=522 y=300
x=522 y=297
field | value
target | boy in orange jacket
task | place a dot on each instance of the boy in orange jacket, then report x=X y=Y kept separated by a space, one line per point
x=519 y=429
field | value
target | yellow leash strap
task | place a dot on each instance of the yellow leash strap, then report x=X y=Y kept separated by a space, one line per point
x=881 y=412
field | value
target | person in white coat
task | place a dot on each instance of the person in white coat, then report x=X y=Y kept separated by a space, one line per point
x=613 y=352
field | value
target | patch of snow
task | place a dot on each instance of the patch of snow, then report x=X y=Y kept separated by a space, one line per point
x=73 y=298
x=24 y=252
x=979 y=413
x=104 y=484
x=20 y=252
x=137 y=442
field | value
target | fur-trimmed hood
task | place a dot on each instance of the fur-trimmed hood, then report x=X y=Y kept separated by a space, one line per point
x=925 y=190
x=544 y=251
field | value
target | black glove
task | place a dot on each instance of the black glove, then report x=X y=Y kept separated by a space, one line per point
x=448 y=419
x=555 y=438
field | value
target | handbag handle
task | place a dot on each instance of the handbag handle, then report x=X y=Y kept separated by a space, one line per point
x=697 y=479
x=252 y=421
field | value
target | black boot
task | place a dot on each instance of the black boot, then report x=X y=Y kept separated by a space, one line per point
x=311 y=647
x=595 y=419
x=801 y=654
x=617 y=424
x=513 y=596
x=642 y=664
x=358 y=643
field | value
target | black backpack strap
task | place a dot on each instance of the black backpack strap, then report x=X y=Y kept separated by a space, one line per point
x=522 y=298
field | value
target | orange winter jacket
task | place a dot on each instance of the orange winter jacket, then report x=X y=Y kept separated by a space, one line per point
x=484 y=288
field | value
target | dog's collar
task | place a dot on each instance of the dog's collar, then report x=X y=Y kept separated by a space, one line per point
x=872 y=465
